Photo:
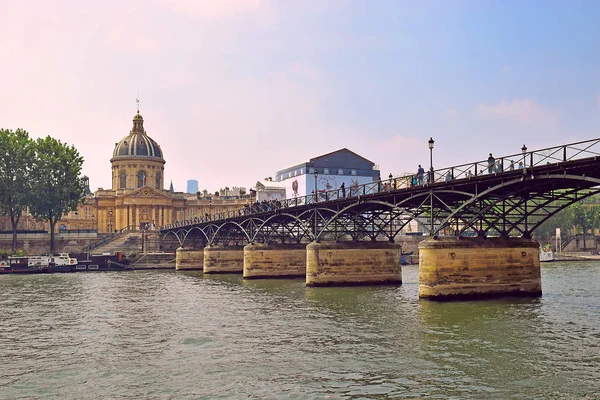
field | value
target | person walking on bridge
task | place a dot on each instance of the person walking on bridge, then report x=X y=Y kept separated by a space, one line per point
x=420 y=173
x=343 y=187
x=491 y=164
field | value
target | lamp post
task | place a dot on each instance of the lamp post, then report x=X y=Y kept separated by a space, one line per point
x=316 y=190
x=524 y=152
x=391 y=177
x=431 y=142
x=110 y=214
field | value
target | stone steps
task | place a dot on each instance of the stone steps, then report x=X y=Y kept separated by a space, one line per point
x=130 y=242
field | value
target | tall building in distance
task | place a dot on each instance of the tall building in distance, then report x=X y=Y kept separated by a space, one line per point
x=192 y=186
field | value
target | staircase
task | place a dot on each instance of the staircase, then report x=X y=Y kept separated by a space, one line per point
x=130 y=242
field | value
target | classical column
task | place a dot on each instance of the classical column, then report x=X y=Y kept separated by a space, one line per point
x=128 y=216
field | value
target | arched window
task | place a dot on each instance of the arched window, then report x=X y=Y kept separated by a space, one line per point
x=141 y=178
x=158 y=180
x=122 y=180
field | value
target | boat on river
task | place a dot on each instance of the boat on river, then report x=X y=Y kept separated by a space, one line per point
x=21 y=265
x=65 y=263
x=546 y=254
x=102 y=262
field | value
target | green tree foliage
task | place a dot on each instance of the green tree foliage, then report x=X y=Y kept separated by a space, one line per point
x=55 y=182
x=582 y=217
x=562 y=219
x=16 y=157
x=585 y=217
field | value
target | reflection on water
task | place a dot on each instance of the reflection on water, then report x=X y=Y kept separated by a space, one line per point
x=166 y=334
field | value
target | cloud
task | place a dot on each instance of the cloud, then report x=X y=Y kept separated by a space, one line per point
x=598 y=101
x=522 y=111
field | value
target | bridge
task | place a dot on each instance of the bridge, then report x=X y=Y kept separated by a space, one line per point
x=507 y=198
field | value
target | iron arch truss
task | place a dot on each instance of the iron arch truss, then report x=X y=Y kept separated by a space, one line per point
x=506 y=203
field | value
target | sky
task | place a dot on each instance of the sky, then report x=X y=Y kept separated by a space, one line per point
x=235 y=90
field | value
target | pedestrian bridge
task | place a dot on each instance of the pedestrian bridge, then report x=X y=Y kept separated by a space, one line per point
x=478 y=218
x=472 y=199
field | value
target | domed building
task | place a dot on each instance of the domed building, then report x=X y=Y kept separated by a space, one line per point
x=138 y=199
x=137 y=160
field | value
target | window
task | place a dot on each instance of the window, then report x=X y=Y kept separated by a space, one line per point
x=158 y=180
x=311 y=171
x=122 y=180
x=141 y=178
x=353 y=172
x=325 y=171
x=340 y=171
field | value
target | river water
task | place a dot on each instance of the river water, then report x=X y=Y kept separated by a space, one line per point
x=182 y=335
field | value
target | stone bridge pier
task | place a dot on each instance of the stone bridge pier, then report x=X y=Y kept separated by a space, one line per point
x=454 y=268
x=220 y=259
x=189 y=259
x=353 y=263
x=274 y=261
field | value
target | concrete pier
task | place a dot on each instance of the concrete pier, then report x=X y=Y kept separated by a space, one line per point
x=219 y=259
x=189 y=259
x=463 y=268
x=274 y=261
x=352 y=263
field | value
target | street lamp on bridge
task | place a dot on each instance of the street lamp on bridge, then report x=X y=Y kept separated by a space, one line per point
x=316 y=192
x=431 y=142
x=524 y=151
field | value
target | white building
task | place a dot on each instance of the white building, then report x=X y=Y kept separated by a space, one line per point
x=269 y=190
x=327 y=172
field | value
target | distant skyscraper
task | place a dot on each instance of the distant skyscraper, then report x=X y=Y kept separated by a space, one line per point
x=192 y=186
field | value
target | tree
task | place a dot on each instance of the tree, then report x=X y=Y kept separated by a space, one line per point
x=57 y=187
x=16 y=158
x=585 y=216
x=562 y=219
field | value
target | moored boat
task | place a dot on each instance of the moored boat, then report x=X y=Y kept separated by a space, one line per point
x=546 y=254
x=65 y=263
x=102 y=262
x=21 y=265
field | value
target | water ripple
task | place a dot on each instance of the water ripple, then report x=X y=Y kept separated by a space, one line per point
x=167 y=335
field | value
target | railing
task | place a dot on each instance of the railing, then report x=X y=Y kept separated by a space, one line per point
x=491 y=166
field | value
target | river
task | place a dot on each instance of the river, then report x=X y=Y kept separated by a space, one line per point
x=182 y=335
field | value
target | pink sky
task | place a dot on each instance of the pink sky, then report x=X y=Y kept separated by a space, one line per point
x=234 y=90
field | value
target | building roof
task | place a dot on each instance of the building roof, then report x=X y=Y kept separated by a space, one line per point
x=344 y=150
x=137 y=143
x=269 y=185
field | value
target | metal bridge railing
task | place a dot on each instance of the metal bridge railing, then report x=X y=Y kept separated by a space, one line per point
x=525 y=159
